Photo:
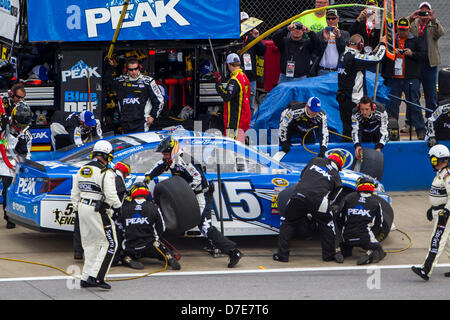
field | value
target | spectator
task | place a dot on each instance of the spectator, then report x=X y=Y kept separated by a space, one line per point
x=427 y=28
x=139 y=98
x=366 y=26
x=357 y=227
x=236 y=97
x=438 y=126
x=403 y=75
x=369 y=124
x=16 y=94
x=315 y=21
x=300 y=118
x=352 y=78
x=249 y=59
x=295 y=51
x=332 y=44
x=77 y=129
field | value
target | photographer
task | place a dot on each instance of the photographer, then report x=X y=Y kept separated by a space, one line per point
x=366 y=26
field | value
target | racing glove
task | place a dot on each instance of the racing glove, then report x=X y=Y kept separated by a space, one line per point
x=218 y=77
x=147 y=179
x=431 y=142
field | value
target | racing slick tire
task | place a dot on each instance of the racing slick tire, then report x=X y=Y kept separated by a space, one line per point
x=371 y=163
x=444 y=82
x=178 y=204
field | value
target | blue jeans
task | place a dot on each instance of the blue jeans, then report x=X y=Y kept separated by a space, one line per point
x=399 y=86
x=428 y=78
x=283 y=78
x=252 y=97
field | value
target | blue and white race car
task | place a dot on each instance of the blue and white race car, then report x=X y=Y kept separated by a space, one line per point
x=39 y=197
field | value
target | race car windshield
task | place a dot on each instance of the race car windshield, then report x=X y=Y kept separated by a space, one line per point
x=84 y=154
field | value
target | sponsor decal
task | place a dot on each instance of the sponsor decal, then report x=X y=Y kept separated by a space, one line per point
x=86 y=172
x=76 y=101
x=27 y=186
x=78 y=71
x=137 y=219
x=19 y=207
x=280 y=182
x=65 y=217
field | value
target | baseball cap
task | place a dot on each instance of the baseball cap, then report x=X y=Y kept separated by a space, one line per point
x=372 y=2
x=332 y=12
x=233 y=57
x=314 y=104
x=403 y=23
x=425 y=3
x=244 y=16
x=88 y=118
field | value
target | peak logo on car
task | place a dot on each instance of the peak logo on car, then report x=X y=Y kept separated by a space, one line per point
x=27 y=186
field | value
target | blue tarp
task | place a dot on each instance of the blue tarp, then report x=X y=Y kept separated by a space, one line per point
x=323 y=87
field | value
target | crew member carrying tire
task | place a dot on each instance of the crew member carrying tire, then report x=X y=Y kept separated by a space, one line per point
x=172 y=161
x=319 y=187
x=360 y=212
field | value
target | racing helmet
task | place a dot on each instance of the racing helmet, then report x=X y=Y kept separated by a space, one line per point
x=103 y=149
x=21 y=116
x=338 y=157
x=169 y=145
x=365 y=184
x=139 y=189
x=123 y=167
x=438 y=153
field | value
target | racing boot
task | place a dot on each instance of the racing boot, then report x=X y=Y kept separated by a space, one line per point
x=133 y=264
x=92 y=282
x=421 y=273
x=10 y=225
x=378 y=255
x=235 y=256
x=78 y=255
x=447 y=274
x=339 y=257
x=279 y=257
x=365 y=259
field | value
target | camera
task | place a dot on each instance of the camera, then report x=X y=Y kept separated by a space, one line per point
x=401 y=51
x=370 y=12
x=423 y=13
x=329 y=29
x=298 y=25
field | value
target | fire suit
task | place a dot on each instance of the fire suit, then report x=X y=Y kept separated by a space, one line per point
x=138 y=99
x=438 y=125
x=68 y=131
x=236 y=110
x=360 y=213
x=371 y=129
x=352 y=81
x=294 y=119
x=203 y=191
x=318 y=188
x=440 y=206
x=18 y=147
x=143 y=226
x=93 y=195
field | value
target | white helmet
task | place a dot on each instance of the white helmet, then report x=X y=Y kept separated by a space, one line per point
x=438 y=152
x=103 y=148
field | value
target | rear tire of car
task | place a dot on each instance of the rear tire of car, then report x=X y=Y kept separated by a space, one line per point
x=371 y=163
x=178 y=205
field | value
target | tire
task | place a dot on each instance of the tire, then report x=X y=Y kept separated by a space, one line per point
x=178 y=205
x=371 y=163
x=388 y=219
x=444 y=81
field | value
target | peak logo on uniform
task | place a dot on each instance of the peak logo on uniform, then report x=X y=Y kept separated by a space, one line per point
x=137 y=219
x=130 y=100
x=359 y=211
x=321 y=171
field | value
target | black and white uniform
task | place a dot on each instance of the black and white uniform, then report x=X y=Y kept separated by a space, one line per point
x=352 y=81
x=295 y=120
x=360 y=213
x=198 y=183
x=92 y=183
x=70 y=130
x=143 y=226
x=138 y=99
x=440 y=203
x=319 y=186
x=371 y=129
x=438 y=124
x=18 y=147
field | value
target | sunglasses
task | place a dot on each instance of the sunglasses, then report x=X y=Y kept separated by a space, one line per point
x=331 y=18
x=132 y=69
x=19 y=97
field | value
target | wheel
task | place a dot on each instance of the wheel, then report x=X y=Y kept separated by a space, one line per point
x=371 y=163
x=178 y=205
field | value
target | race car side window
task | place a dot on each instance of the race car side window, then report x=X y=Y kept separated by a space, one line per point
x=143 y=161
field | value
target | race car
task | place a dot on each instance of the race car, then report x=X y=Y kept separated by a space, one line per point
x=246 y=198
